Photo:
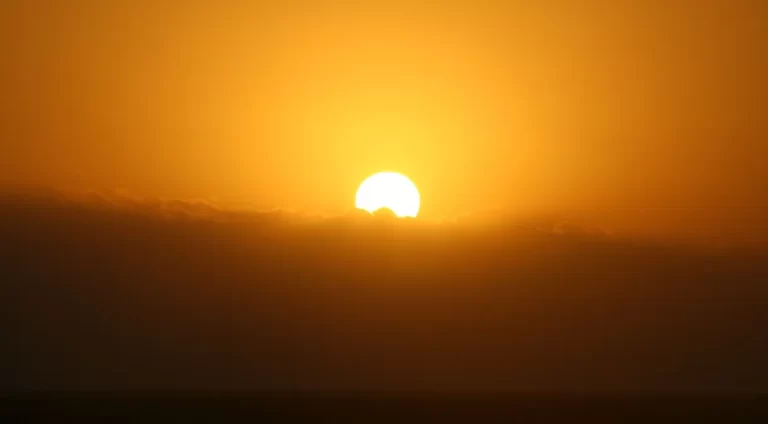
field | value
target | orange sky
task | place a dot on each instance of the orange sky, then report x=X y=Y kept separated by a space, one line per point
x=483 y=104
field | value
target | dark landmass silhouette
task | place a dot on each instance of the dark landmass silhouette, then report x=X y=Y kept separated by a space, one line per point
x=384 y=213
x=118 y=294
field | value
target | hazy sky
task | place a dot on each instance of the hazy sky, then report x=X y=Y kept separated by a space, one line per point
x=508 y=110
x=292 y=104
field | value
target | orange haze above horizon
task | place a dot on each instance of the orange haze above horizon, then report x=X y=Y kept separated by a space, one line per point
x=481 y=104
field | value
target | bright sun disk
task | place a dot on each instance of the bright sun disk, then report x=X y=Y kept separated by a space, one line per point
x=389 y=190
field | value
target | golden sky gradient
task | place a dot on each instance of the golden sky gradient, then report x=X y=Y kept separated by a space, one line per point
x=178 y=181
x=528 y=105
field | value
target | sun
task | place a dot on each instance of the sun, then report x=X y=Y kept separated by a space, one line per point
x=389 y=190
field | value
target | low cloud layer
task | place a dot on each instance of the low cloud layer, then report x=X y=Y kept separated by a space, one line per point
x=116 y=291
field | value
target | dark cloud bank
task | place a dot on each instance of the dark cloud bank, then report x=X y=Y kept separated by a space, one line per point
x=112 y=292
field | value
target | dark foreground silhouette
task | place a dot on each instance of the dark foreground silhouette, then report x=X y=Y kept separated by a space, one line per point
x=136 y=298
x=405 y=407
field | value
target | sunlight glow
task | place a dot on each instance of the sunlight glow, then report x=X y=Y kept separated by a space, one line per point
x=389 y=190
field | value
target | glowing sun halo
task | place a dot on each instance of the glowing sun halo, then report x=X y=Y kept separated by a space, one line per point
x=389 y=190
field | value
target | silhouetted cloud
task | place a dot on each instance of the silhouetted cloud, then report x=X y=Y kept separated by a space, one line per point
x=111 y=290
